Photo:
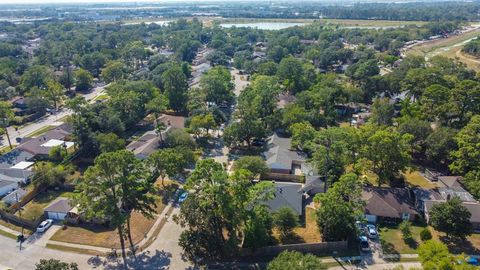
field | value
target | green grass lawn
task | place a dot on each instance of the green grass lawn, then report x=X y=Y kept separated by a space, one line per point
x=393 y=243
x=40 y=131
x=415 y=179
x=34 y=209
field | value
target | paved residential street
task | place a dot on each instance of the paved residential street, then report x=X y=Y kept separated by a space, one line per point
x=47 y=120
x=163 y=253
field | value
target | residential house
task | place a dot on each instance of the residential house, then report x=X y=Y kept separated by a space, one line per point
x=145 y=145
x=14 y=197
x=287 y=164
x=450 y=187
x=16 y=166
x=360 y=118
x=287 y=195
x=19 y=106
x=198 y=71
x=7 y=186
x=388 y=204
x=150 y=141
x=41 y=146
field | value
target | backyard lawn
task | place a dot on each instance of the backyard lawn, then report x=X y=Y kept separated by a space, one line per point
x=303 y=234
x=415 y=179
x=34 y=209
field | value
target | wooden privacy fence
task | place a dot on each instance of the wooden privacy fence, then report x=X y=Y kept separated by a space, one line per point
x=283 y=177
x=26 y=199
x=11 y=218
x=314 y=248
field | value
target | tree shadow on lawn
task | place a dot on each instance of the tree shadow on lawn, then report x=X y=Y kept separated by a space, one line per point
x=457 y=245
x=389 y=249
x=291 y=238
x=159 y=260
x=411 y=243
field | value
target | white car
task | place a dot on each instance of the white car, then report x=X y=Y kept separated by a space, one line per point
x=371 y=231
x=44 y=225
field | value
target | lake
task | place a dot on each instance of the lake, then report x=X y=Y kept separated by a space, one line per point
x=263 y=25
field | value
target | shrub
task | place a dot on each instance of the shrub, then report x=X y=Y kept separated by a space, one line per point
x=425 y=234
x=405 y=228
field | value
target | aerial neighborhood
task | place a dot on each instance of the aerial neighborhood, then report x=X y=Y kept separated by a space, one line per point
x=240 y=135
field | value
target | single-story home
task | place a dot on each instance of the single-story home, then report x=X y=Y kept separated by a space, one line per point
x=287 y=164
x=287 y=195
x=41 y=146
x=59 y=209
x=145 y=145
x=473 y=208
x=7 y=186
x=16 y=166
x=281 y=158
x=388 y=204
x=15 y=196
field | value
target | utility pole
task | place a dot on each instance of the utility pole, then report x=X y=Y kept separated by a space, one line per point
x=4 y=123
x=21 y=237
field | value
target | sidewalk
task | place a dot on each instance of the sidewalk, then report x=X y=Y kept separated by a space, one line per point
x=8 y=230
x=106 y=250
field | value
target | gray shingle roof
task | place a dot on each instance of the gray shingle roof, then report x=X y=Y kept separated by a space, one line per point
x=6 y=183
x=61 y=205
x=145 y=145
x=473 y=208
x=13 y=157
x=287 y=195
x=280 y=155
x=34 y=145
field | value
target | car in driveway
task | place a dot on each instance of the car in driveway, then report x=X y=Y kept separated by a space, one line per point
x=371 y=231
x=363 y=243
x=182 y=197
x=44 y=225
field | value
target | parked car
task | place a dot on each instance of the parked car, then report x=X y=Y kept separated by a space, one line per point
x=182 y=197
x=363 y=243
x=360 y=226
x=371 y=231
x=44 y=225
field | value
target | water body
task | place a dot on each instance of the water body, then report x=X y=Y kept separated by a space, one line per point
x=264 y=25
x=23 y=20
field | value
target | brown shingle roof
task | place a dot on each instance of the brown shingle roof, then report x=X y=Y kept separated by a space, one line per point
x=388 y=202
x=172 y=121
